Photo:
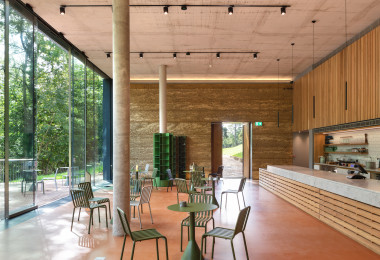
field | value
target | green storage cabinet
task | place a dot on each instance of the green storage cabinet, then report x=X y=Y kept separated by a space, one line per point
x=181 y=156
x=164 y=156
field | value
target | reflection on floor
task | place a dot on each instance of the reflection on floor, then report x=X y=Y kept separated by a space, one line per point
x=275 y=230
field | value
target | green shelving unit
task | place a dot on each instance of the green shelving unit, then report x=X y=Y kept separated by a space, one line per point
x=163 y=156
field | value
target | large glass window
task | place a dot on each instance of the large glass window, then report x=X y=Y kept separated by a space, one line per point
x=2 y=109
x=22 y=174
x=98 y=122
x=90 y=126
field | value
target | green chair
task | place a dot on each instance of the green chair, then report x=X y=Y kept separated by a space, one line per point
x=80 y=200
x=152 y=178
x=201 y=218
x=198 y=183
x=138 y=236
x=240 y=189
x=135 y=187
x=181 y=185
x=144 y=199
x=230 y=234
x=170 y=179
x=86 y=186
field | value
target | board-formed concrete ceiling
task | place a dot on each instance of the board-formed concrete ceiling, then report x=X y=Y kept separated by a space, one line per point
x=206 y=29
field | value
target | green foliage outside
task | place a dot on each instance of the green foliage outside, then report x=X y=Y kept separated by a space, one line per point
x=232 y=134
x=236 y=151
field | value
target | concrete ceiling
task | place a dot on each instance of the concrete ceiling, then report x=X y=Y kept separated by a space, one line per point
x=205 y=29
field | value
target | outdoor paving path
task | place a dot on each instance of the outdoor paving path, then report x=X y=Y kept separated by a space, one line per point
x=232 y=167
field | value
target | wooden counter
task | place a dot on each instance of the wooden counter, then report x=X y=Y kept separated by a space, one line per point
x=350 y=206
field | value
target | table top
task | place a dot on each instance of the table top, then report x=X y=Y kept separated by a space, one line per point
x=193 y=207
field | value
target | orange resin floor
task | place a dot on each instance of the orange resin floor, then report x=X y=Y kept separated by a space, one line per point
x=275 y=230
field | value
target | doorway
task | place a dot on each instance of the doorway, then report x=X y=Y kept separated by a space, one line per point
x=231 y=147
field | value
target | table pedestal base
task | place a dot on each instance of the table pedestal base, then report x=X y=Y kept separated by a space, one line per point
x=192 y=252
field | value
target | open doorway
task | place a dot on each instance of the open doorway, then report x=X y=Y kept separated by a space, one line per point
x=231 y=147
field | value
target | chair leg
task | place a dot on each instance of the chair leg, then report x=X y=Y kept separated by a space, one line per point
x=105 y=207
x=245 y=245
x=79 y=213
x=205 y=240
x=89 y=223
x=213 y=244
x=150 y=211
x=158 y=255
x=237 y=197
x=242 y=194
x=109 y=208
x=181 y=236
x=233 y=250
x=221 y=199
x=133 y=249
x=177 y=198
x=122 y=250
x=226 y=200
x=166 y=246
x=138 y=211
x=99 y=214
x=56 y=186
x=188 y=233
x=72 y=219
x=142 y=212
x=202 y=247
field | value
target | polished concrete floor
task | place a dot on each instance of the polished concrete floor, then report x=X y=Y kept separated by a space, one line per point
x=275 y=230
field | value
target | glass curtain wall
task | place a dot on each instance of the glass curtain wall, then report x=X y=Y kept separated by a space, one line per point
x=50 y=87
x=22 y=167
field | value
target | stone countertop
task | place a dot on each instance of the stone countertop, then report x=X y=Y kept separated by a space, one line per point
x=377 y=170
x=363 y=190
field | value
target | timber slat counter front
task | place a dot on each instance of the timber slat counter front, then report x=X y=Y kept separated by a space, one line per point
x=350 y=206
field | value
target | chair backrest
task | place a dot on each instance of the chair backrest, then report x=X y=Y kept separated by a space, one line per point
x=242 y=184
x=136 y=189
x=146 y=168
x=86 y=186
x=181 y=185
x=196 y=179
x=154 y=173
x=203 y=198
x=133 y=169
x=79 y=198
x=242 y=219
x=170 y=175
x=56 y=172
x=124 y=222
x=146 y=192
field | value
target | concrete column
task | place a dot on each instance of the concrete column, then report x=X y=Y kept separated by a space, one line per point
x=162 y=99
x=121 y=112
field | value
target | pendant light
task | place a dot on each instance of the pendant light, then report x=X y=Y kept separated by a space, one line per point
x=345 y=61
x=292 y=81
x=312 y=67
x=278 y=92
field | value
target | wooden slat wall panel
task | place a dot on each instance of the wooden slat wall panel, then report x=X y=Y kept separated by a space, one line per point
x=358 y=64
x=192 y=107
x=359 y=221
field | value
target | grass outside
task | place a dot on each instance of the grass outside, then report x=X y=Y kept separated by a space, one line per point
x=236 y=151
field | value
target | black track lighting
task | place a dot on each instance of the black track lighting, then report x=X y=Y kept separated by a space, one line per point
x=174 y=55
x=183 y=7
x=108 y=54
x=283 y=10
x=62 y=10
x=166 y=9
x=255 y=56
x=230 y=10
x=188 y=53
x=141 y=55
x=218 y=55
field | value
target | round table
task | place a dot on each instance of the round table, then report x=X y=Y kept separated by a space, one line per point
x=192 y=250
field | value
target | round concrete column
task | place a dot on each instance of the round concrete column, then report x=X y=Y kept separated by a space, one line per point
x=121 y=113
x=162 y=98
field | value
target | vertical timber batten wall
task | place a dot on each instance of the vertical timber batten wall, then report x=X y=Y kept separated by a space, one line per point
x=192 y=107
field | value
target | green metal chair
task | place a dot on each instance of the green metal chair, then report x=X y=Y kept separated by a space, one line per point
x=241 y=189
x=144 y=199
x=80 y=200
x=86 y=186
x=201 y=218
x=170 y=179
x=181 y=185
x=152 y=178
x=230 y=234
x=135 y=187
x=198 y=183
x=141 y=235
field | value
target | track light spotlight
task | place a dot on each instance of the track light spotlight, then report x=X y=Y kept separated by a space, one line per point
x=218 y=55
x=166 y=9
x=188 y=53
x=174 y=55
x=255 y=56
x=183 y=7
x=108 y=54
x=141 y=55
x=230 y=10
x=283 y=10
x=62 y=10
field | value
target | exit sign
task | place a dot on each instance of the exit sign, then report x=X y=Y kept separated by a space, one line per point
x=258 y=123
